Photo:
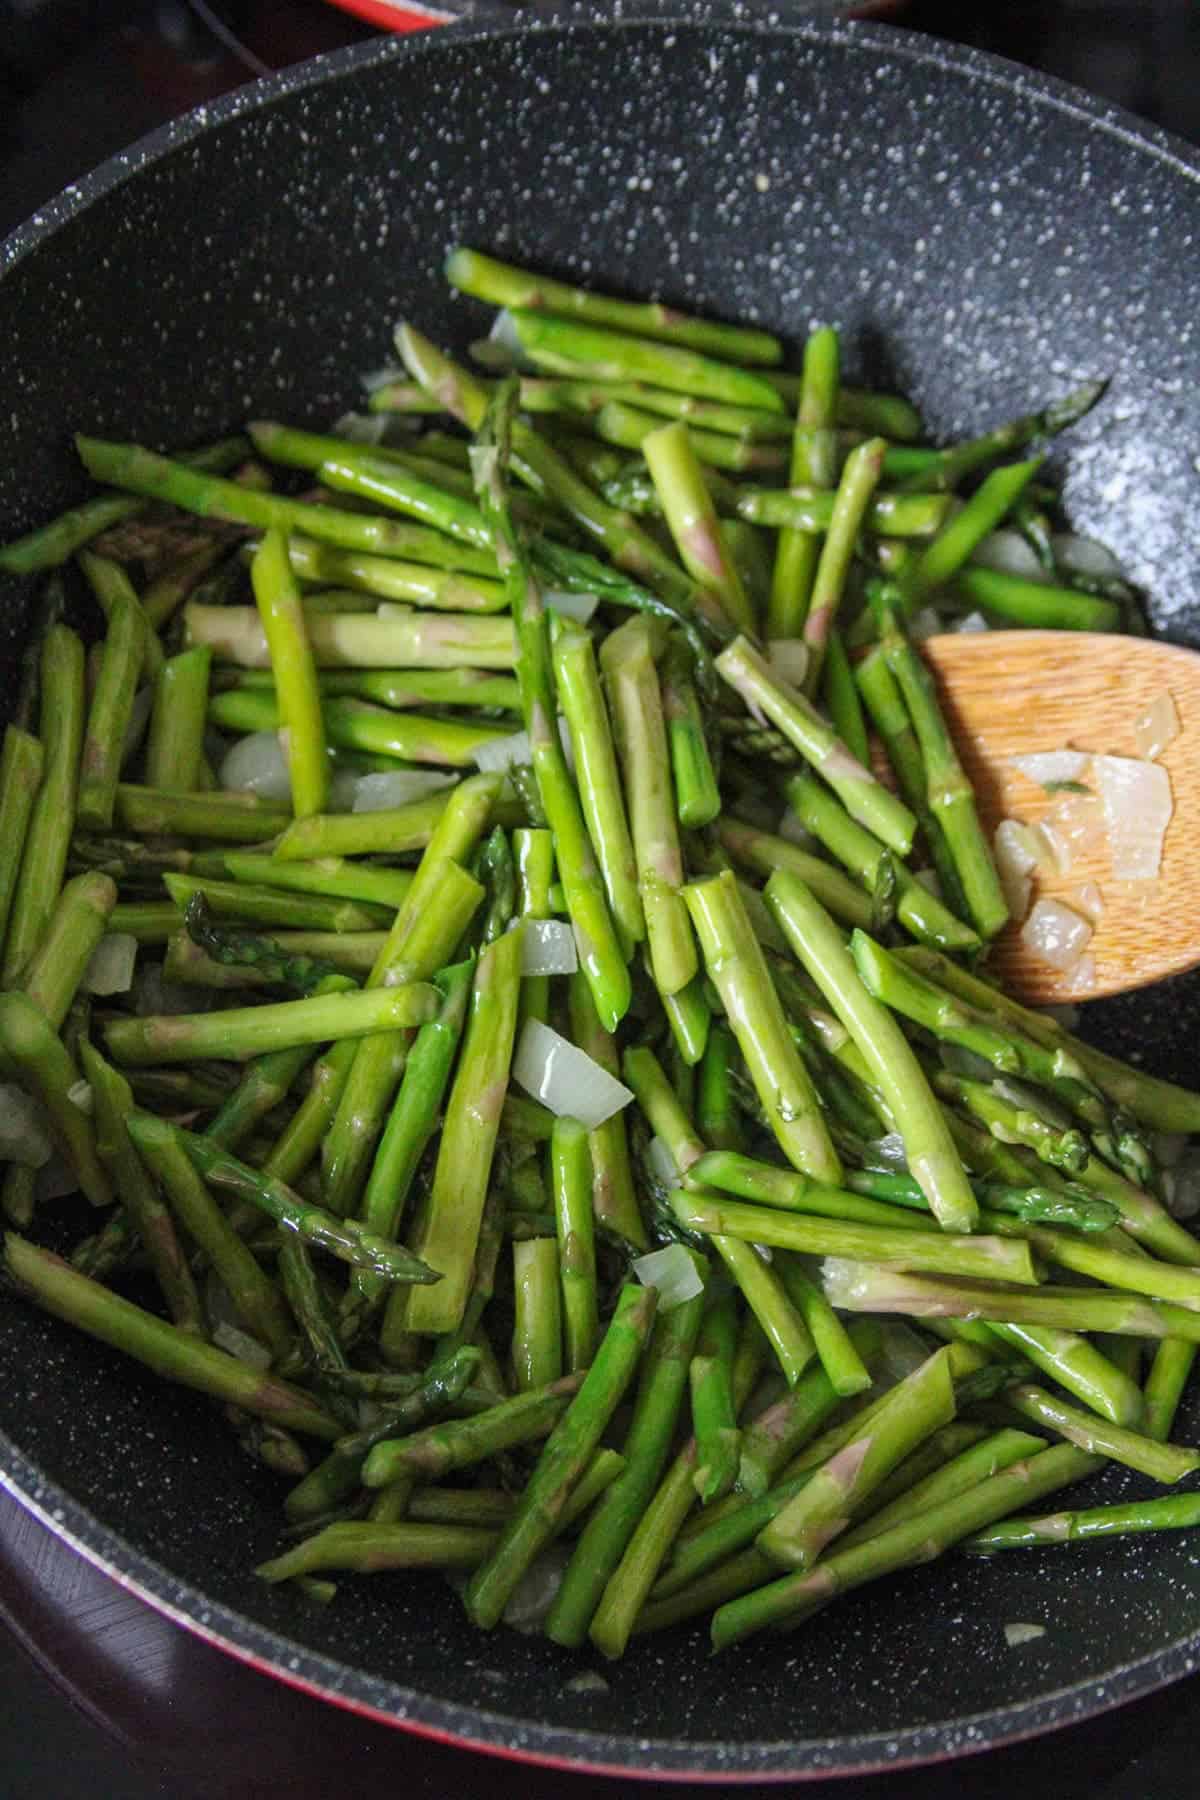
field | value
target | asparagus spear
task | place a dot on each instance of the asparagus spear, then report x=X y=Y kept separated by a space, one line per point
x=242 y=1032
x=175 y=1355
x=20 y=777
x=930 y=1150
x=44 y=856
x=1174 y=1512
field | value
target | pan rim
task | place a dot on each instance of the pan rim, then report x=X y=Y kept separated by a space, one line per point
x=324 y=1676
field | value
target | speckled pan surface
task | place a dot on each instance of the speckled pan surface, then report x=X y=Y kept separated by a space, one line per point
x=982 y=239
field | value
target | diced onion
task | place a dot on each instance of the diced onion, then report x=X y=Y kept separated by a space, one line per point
x=534 y=1594
x=569 y=605
x=1056 y=934
x=930 y=881
x=589 y=1681
x=1009 y=552
x=374 y=379
x=567 y=742
x=565 y=1078
x=972 y=622
x=110 y=966
x=1066 y=1016
x=901 y=1351
x=672 y=1270
x=1137 y=808
x=499 y=754
x=1083 y=556
x=1078 y=820
x=257 y=765
x=24 y=1129
x=788 y=658
x=391 y=609
x=484 y=460
x=240 y=1344
x=1016 y=847
x=80 y=1094
x=396 y=787
x=1157 y=727
x=924 y=623
x=889 y=1153
x=1055 y=853
x=663 y=1164
x=1082 y=978
x=1168 y=1147
x=362 y=428
x=1015 y=861
x=548 y=948
x=1088 y=900
x=1017 y=1633
x=1053 y=765
x=504 y=333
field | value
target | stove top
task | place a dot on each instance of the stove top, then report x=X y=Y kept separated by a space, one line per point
x=99 y=1694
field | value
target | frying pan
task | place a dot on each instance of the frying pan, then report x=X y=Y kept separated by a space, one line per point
x=982 y=237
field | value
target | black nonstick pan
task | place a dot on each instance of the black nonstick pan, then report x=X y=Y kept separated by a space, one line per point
x=982 y=238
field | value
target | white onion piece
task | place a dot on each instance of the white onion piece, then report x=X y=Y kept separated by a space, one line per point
x=534 y=1594
x=1016 y=847
x=972 y=622
x=1083 y=556
x=672 y=1270
x=80 y=1094
x=24 y=1129
x=1066 y=1016
x=588 y=1682
x=548 y=948
x=1053 y=765
x=930 y=881
x=1056 y=934
x=389 y=609
x=924 y=623
x=794 y=832
x=1009 y=552
x=662 y=1164
x=1017 y=1633
x=504 y=334
x=1137 y=808
x=565 y=1078
x=1078 y=819
x=1082 y=978
x=55 y=1179
x=1015 y=861
x=1157 y=727
x=343 y=786
x=257 y=765
x=788 y=658
x=1088 y=900
x=361 y=428
x=110 y=966
x=374 y=379
x=1056 y=854
x=571 y=606
x=499 y=754
x=240 y=1344
x=139 y=718
x=889 y=1153
x=396 y=787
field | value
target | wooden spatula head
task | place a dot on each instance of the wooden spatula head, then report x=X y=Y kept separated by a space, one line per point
x=1013 y=693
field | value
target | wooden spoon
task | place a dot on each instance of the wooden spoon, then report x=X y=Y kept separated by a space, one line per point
x=1011 y=693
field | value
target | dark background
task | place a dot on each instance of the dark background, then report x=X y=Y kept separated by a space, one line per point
x=98 y=1695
